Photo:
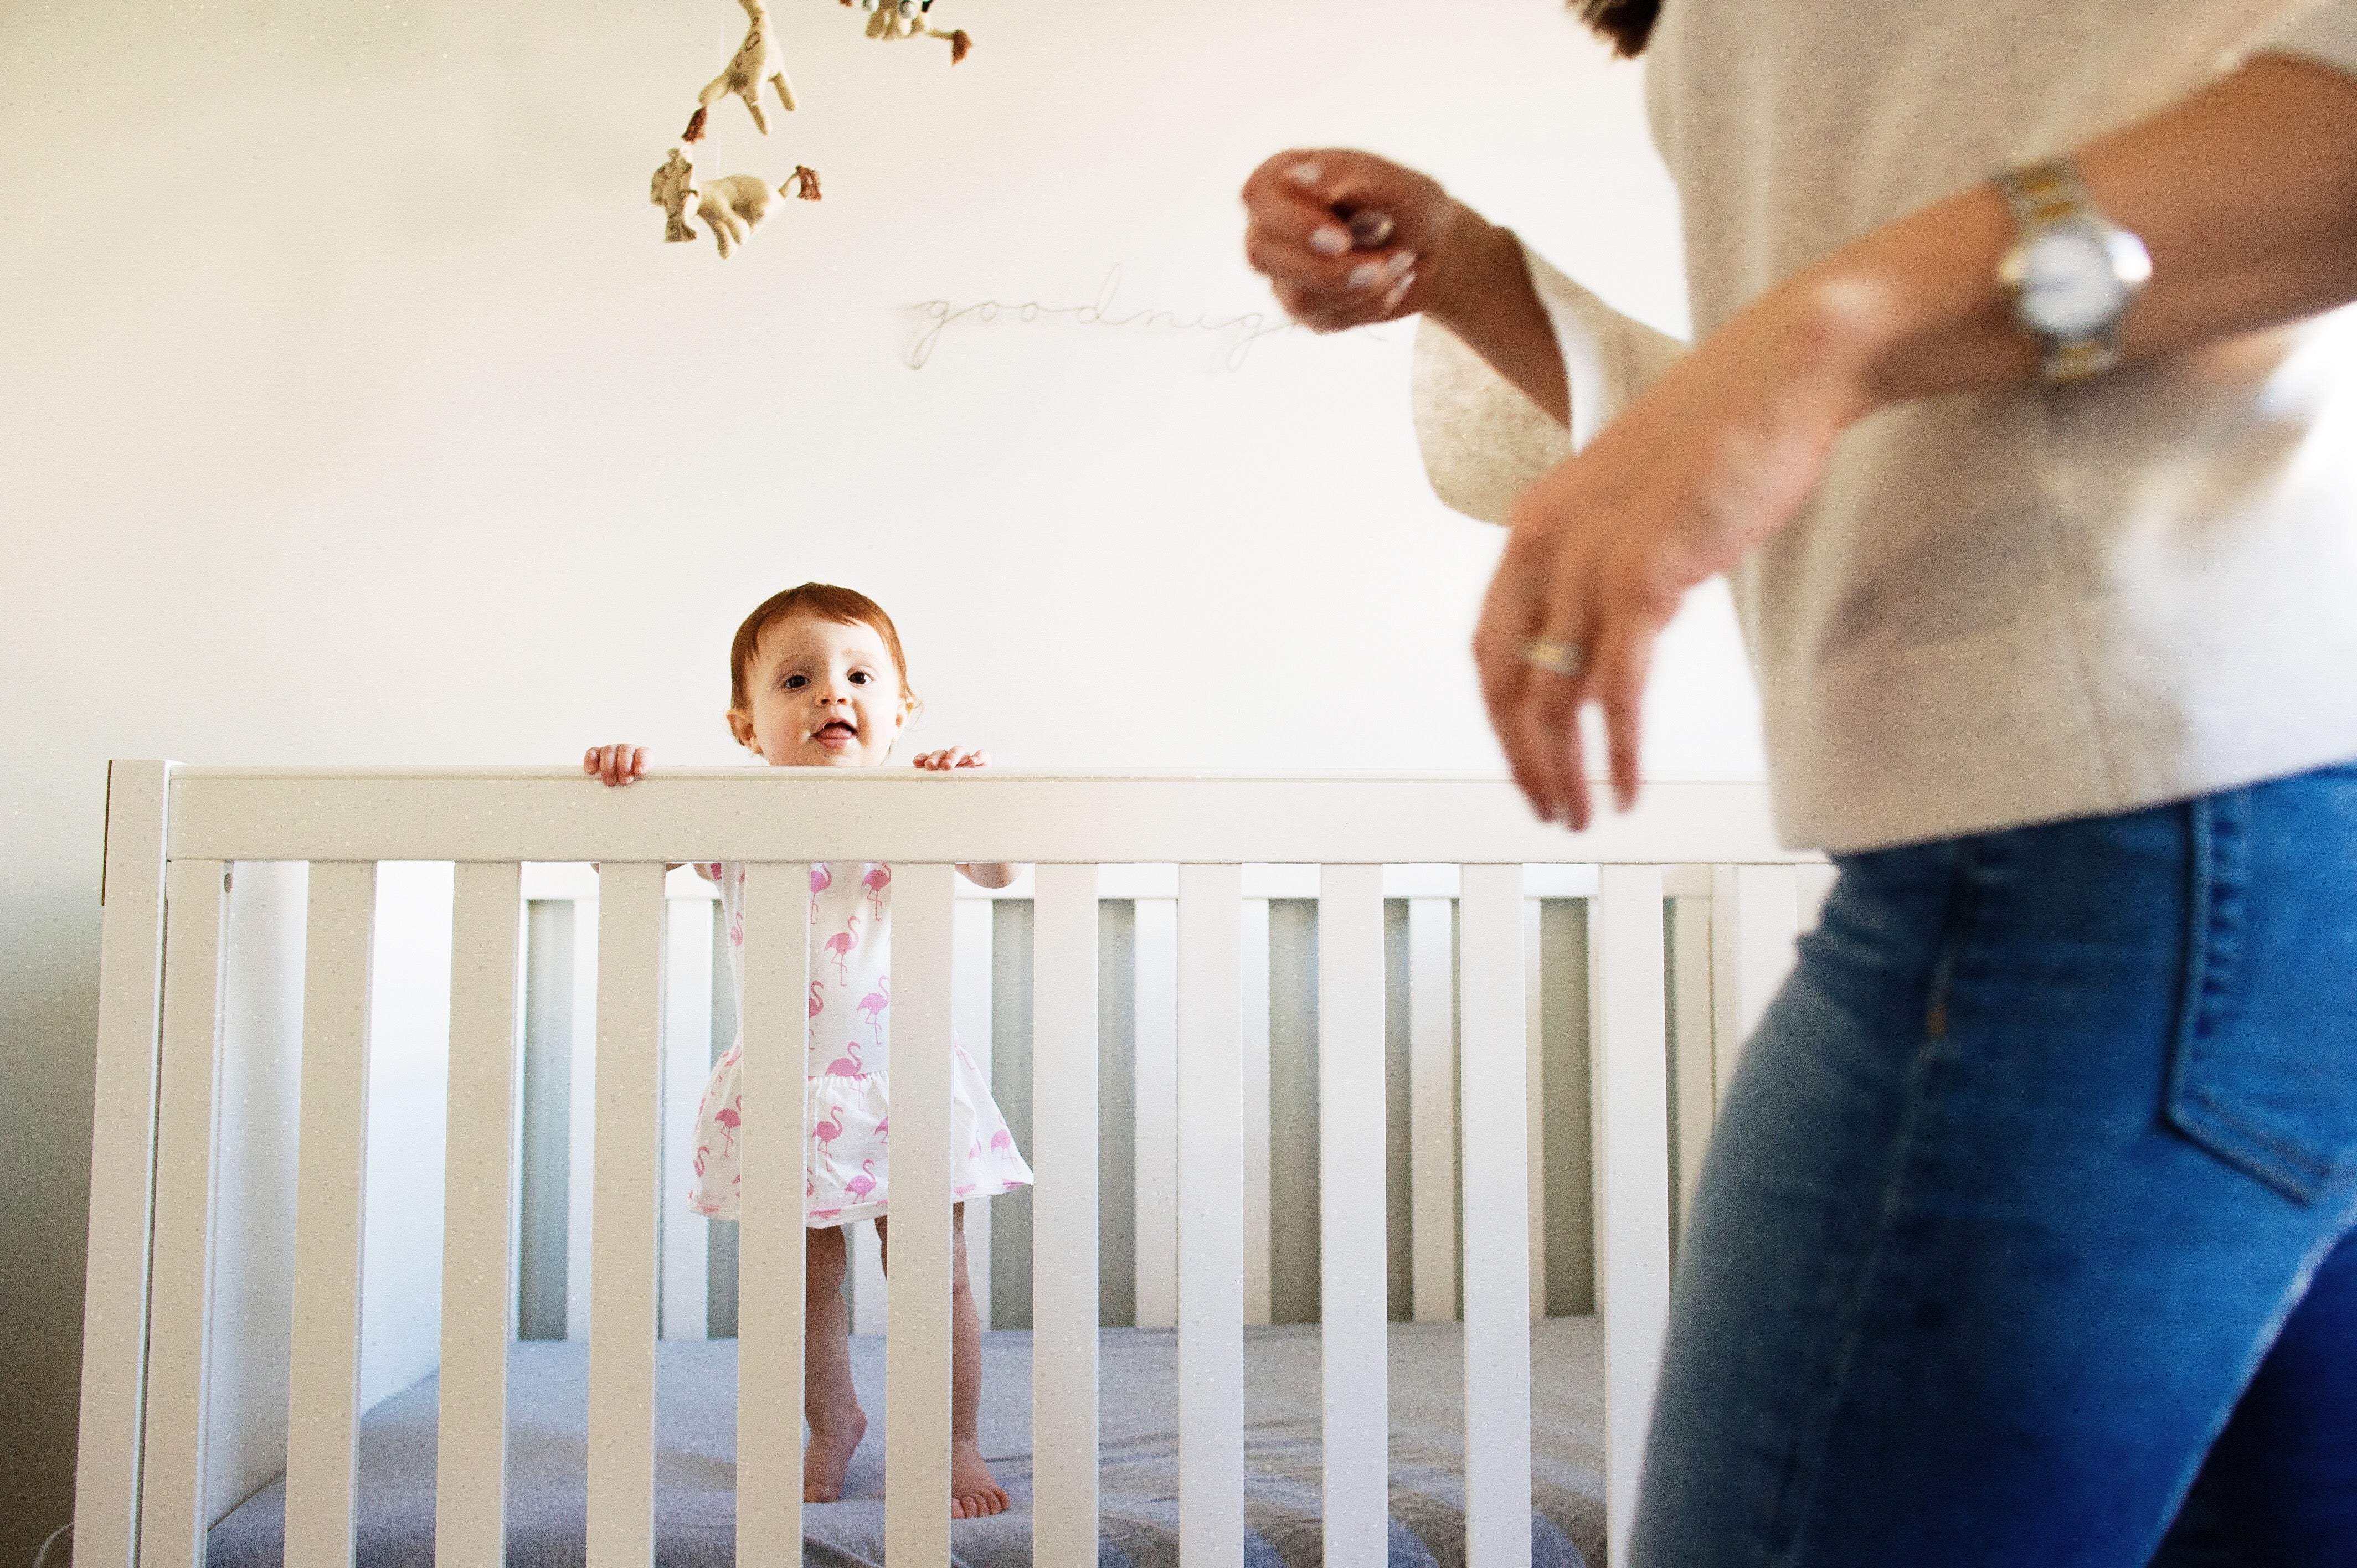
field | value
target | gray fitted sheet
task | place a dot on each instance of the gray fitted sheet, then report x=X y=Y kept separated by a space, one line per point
x=1138 y=1465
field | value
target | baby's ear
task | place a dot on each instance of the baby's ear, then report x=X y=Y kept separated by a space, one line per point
x=741 y=725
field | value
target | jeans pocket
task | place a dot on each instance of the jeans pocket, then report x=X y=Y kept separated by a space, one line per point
x=2261 y=1072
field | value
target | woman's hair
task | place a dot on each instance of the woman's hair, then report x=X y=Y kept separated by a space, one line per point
x=846 y=606
x=1627 y=23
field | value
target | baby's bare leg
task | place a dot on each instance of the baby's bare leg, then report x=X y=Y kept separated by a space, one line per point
x=974 y=1492
x=829 y=1401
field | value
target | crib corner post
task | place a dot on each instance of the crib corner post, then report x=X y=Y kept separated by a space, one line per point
x=114 y=1307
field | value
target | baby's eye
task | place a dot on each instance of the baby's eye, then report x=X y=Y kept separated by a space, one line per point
x=795 y=682
x=861 y=677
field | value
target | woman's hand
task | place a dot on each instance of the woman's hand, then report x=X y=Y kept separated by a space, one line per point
x=1301 y=211
x=621 y=763
x=950 y=758
x=1348 y=240
x=1717 y=456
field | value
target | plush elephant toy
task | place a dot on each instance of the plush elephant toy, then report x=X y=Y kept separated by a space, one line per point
x=733 y=206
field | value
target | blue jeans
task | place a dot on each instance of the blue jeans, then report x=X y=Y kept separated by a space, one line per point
x=2032 y=1178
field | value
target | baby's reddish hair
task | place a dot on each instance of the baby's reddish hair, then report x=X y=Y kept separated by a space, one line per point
x=845 y=607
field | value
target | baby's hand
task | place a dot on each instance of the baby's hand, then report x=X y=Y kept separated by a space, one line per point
x=615 y=764
x=954 y=757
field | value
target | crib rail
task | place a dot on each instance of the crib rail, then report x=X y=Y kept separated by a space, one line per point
x=173 y=833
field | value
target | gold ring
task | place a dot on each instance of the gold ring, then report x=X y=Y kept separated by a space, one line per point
x=1563 y=658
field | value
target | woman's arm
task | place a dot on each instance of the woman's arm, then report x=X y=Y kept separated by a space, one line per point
x=1433 y=255
x=2246 y=196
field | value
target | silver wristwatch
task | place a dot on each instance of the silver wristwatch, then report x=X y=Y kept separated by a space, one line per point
x=2072 y=272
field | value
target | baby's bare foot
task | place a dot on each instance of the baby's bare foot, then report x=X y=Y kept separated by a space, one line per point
x=975 y=1493
x=828 y=1456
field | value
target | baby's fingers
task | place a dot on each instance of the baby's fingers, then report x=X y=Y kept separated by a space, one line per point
x=616 y=764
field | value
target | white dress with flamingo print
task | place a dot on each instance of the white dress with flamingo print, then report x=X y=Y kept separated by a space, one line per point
x=845 y=1161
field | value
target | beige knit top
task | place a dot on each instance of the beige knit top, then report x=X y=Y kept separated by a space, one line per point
x=1997 y=609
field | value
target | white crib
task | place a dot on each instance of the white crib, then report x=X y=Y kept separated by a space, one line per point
x=1671 y=1001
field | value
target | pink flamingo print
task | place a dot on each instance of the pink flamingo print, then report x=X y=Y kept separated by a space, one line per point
x=860 y=1185
x=826 y=1132
x=847 y=1066
x=873 y=1005
x=729 y=1121
x=884 y=1129
x=822 y=878
x=699 y=1159
x=878 y=878
x=839 y=946
x=1002 y=1140
x=817 y=1001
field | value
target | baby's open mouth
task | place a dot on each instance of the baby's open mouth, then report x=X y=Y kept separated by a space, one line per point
x=836 y=729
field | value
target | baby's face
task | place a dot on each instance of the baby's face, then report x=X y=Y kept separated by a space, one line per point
x=824 y=694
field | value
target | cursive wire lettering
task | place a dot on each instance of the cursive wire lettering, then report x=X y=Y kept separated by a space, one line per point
x=942 y=313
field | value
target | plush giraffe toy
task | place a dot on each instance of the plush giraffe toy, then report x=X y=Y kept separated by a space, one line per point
x=734 y=207
x=731 y=207
x=896 y=19
x=756 y=62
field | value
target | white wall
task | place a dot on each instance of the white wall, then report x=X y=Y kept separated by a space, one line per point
x=349 y=410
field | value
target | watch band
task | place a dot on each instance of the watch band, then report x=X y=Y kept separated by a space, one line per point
x=2043 y=194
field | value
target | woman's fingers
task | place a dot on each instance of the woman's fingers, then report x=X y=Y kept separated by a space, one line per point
x=1347 y=279
x=1624 y=657
x=1507 y=613
x=1340 y=235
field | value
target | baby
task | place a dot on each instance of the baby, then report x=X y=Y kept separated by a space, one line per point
x=818 y=679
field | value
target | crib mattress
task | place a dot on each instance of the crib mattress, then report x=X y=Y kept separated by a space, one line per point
x=1138 y=1465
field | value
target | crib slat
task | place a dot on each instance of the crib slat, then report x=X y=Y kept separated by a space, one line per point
x=1534 y=1096
x=1259 y=1282
x=773 y=1026
x=121 y=1169
x=1497 y=1233
x=470 y=1459
x=1698 y=1087
x=1352 y=1106
x=1155 y=993
x=1756 y=919
x=323 y=1384
x=172 y=1487
x=686 y=1064
x=1064 y=1216
x=1210 y=1221
x=581 y=1120
x=970 y=987
x=1432 y=1104
x=1632 y=1166
x=627 y=1166
x=917 y=1348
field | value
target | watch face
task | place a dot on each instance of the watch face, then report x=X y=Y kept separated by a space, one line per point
x=2069 y=285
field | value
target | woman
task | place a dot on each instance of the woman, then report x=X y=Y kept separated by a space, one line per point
x=2021 y=1236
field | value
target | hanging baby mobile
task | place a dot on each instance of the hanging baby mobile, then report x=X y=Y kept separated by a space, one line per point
x=734 y=206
